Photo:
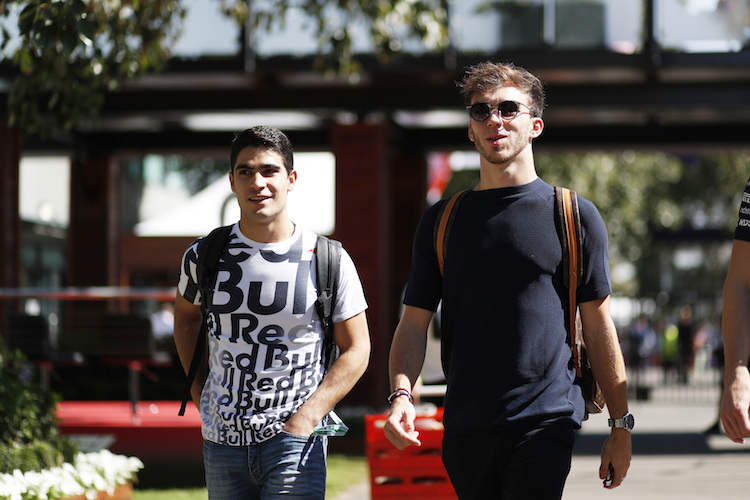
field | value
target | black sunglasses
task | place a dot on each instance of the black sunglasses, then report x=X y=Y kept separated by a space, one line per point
x=507 y=110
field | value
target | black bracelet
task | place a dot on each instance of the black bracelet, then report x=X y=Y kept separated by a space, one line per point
x=400 y=392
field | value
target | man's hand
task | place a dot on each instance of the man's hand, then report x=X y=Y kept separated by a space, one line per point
x=735 y=406
x=615 y=455
x=399 y=427
x=299 y=426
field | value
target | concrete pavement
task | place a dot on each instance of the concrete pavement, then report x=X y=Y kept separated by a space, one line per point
x=672 y=458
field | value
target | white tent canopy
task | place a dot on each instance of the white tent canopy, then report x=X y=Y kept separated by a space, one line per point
x=311 y=203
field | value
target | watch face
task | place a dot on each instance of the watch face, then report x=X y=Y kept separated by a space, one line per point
x=626 y=422
x=629 y=421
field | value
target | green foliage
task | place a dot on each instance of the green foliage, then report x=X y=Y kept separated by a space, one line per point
x=391 y=24
x=73 y=52
x=643 y=194
x=628 y=188
x=29 y=435
x=35 y=455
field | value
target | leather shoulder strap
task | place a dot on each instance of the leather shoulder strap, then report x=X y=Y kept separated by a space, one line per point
x=443 y=226
x=572 y=244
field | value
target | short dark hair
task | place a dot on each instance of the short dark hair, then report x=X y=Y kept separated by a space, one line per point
x=263 y=137
x=488 y=76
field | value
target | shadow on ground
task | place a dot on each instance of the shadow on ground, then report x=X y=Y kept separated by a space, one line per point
x=657 y=444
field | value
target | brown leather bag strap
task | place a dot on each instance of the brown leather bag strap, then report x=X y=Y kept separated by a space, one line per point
x=567 y=205
x=443 y=227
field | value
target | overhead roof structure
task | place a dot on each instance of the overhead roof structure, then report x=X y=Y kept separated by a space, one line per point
x=599 y=94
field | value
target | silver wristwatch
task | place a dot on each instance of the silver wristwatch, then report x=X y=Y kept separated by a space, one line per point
x=627 y=422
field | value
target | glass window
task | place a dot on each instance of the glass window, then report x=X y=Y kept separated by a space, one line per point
x=44 y=190
x=488 y=26
x=703 y=25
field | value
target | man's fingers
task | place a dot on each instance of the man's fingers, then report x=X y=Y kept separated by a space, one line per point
x=400 y=431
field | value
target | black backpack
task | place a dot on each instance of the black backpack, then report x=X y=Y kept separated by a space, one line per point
x=327 y=259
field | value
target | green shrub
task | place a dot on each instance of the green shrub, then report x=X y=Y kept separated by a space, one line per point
x=29 y=433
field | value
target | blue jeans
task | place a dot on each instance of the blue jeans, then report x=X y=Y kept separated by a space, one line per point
x=285 y=466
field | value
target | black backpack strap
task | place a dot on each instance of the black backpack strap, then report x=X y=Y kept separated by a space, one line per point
x=443 y=225
x=327 y=262
x=209 y=252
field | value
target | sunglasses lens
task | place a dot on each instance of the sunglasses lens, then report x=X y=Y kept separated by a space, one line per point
x=508 y=109
x=480 y=111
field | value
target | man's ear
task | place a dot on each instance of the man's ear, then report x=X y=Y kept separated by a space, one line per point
x=537 y=126
x=292 y=180
x=231 y=181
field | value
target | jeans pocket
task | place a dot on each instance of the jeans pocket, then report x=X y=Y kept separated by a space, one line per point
x=296 y=437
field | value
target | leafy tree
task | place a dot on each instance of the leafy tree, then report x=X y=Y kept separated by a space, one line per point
x=629 y=189
x=642 y=195
x=71 y=53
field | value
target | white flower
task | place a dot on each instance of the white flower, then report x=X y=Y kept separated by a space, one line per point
x=90 y=473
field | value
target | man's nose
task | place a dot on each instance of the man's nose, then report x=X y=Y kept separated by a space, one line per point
x=258 y=180
x=495 y=116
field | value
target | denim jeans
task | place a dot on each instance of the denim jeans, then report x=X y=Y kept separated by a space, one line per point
x=285 y=466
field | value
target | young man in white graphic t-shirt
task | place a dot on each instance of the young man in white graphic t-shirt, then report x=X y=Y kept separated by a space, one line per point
x=263 y=392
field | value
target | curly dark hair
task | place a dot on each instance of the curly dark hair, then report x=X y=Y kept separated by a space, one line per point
x=488 y=76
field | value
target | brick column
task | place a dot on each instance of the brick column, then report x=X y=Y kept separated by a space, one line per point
x=363 y=201
x=93 y=222
x=10 y=222
x=92 y=243
x=409 y=188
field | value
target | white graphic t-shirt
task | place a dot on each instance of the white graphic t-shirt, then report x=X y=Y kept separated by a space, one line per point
x=265 y=339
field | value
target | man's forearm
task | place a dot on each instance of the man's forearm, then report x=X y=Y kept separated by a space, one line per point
x=735 y=315
x=337 y=383
x=605 y=355
x=735 y=326
x=187 y=323
x=609 y=369
x=406 y=357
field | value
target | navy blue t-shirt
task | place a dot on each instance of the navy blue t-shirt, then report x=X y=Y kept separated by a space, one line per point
x=742 y=232
x=504 y=349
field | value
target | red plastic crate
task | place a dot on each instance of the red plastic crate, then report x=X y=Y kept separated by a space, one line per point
x=416 y=473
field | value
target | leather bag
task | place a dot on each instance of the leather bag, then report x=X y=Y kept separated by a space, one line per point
x=570 y=222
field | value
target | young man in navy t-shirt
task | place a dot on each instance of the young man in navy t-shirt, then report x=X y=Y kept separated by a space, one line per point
x=511 y=405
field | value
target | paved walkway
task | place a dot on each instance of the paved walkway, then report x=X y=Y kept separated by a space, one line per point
x=672 y=459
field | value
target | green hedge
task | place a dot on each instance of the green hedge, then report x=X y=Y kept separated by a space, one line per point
x=29 y=433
